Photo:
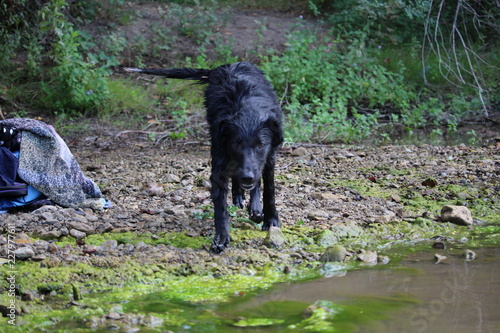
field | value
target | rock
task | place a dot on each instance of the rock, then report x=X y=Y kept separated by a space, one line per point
x=77 y=234
x=334 y=253
x=22 y=238
x=41 y=245
x=109 y=245
x=384 y=260
x=469 y=255
x=430 y=182
x=24 y=253
x=53 y=248
x=274 y=238
x=90 y=248
x=327 y=196
x=154 y=189
x=114 y=316
x=50 y=235
x=369 y=257
x=456 y=214
x=346 y=230
x=171 y=178
x=81 y=227
x=439 y=258
x=317 y=215
x=140 y=245
x=326 y=238
x=300 y=151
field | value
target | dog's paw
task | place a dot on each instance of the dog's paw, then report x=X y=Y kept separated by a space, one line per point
x=272 y=222
x=255 y=215
x=255 y=211
x=239 y=200
x=219 y=244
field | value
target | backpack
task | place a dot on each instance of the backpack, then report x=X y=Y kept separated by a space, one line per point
x=10 y=184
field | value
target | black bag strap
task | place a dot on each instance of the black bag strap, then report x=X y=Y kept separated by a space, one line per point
x=10 y=138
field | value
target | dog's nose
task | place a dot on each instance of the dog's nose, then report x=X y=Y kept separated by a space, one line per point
x=247 y=179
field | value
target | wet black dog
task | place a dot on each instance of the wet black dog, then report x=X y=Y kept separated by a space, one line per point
x=245 y=127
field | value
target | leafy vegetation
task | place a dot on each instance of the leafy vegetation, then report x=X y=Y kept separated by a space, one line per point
x=362 y=68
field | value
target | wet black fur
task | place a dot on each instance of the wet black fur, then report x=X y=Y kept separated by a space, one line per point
x=245 y=127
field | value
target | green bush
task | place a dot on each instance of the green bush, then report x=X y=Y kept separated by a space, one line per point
x=334 y=88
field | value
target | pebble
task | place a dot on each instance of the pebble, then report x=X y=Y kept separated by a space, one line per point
x=274 y=238
x=469 y=255
x=81 y=227
x=24 y=253
x=300 y=151
x=317 y=215
x=334 y=253
x=369 y=257
x=439 y=258
x=108 y=245
x=456 y=214
x=77 y=234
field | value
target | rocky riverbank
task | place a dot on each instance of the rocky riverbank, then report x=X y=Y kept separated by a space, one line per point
x=360 y=200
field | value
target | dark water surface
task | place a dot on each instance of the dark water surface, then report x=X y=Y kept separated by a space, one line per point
x=417 y=295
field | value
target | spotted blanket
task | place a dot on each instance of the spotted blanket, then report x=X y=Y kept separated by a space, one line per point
x=46 y=163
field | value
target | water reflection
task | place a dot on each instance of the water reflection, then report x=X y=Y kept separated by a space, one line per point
x=453 y=296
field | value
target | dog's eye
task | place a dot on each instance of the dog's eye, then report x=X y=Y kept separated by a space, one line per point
x=261 y=145
x=236 y=144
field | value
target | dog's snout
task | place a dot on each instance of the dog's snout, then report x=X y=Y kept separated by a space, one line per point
x=247 y=178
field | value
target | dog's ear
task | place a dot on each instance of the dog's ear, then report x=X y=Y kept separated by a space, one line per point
x=276 y=128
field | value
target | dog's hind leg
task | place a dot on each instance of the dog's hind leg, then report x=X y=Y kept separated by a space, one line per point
x=270 y=213
x=238 y=194
x=254 y=207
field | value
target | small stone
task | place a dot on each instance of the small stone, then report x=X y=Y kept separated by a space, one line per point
x=456 y=214
x=22 y=238
x=369 y=257
x=334 y=253
x=300 y=151
x=430 y=182
x=439 y=258
x=77 y=234
x=39 y=257
x=469 y=255
x=327 y=238
x=81 y=227
x=171 y=178
x=24 y=253
x=53 y=248
x=41 y=245
x=274 y=238
x=114 y=316
x=317 y=215
x=50 y=235
x=90 y=248
x=384 y=260
x=154 y=189
x=109 y=245
x=140 y=245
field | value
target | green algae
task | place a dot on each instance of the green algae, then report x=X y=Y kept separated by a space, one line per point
x=184 y=295
x=482 y=201
x=177 y=239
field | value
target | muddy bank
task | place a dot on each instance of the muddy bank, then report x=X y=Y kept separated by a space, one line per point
x=79 y=263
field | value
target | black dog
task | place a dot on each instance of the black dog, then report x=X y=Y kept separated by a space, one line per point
x=245 y=127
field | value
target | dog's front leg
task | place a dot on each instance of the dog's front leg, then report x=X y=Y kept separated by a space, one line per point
x=220 y=182
x=238 y=194
x=254 y=207
x=270 y=213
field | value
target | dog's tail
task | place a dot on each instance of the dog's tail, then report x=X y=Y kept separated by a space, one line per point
x=175 y=73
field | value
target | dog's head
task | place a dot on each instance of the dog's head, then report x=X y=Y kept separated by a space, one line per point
x=250 y=145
